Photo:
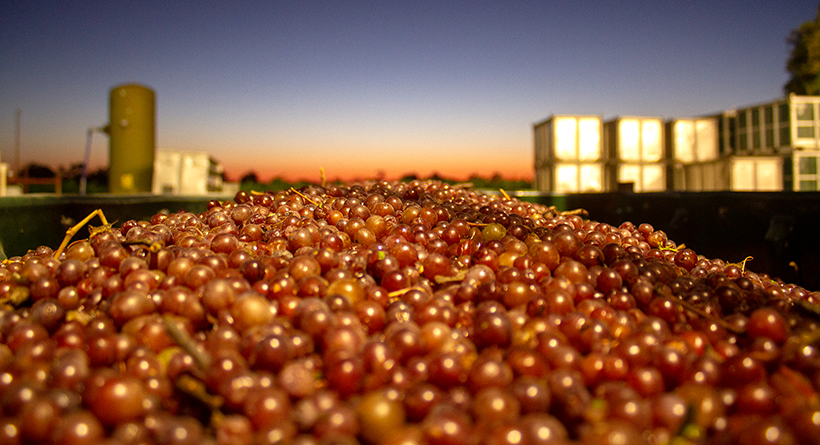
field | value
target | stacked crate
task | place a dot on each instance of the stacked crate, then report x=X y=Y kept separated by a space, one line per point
x=636 y=147
x=806 y=174
x=804 y=138
x=755 y=173
x=693 y=146
x=760 y=143
x=774 y=146
x=180 y=172
x=766 y=147
x=569 y=155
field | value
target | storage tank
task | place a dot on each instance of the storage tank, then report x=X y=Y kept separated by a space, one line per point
x=132 y=139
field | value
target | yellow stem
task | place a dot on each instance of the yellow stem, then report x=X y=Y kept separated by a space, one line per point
x=304 y=197
x=76 y=228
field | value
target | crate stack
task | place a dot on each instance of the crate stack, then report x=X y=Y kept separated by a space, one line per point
x=757 y=147
x=772 y=146
x=181 y=172
x=695 y=159
x=802 y=134
x=569 y=155
x=636 y=147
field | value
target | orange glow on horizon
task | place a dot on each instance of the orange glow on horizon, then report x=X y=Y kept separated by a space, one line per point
x=509 y=168
x=335 y=168
x=366 y=173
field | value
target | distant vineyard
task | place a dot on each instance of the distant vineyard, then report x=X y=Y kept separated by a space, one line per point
x=495 y=182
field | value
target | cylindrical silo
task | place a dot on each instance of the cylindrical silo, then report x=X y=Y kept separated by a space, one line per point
x=132 y=139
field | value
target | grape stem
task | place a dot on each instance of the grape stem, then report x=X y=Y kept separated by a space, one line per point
x=459 y=276
x=191 y=385
x=305 y=197
x=553 y=211
x=202 y=359
x=152 y=246
x=76 y=228
x=742 y=264
x=196 y=389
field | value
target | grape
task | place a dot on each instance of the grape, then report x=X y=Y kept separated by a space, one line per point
x=79 y=427
x=266 y=407
x=115 y=399
x=768 y=322
x=398 y=312
x=379 y=417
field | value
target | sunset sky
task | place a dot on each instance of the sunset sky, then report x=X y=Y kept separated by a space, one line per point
x=366 y=89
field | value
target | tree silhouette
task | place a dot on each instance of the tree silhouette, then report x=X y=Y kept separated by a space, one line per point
x=35 y=170
x=250 y=177
x=804 y=61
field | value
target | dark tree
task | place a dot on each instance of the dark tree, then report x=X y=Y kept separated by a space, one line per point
x=99 y=176
x=804 y=61
x=250 y=177
x=35 y=170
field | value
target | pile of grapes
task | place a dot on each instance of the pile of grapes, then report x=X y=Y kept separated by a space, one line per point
x=399 y=313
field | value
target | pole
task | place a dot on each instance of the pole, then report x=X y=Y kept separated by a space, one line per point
x=84 y=177
x=18 y=115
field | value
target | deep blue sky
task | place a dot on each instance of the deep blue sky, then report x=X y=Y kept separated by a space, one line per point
x=368 y=88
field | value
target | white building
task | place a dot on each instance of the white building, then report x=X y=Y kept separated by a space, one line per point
x=772 y=146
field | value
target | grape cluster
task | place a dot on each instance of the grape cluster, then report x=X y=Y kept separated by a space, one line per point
x=399 y=313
